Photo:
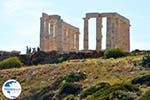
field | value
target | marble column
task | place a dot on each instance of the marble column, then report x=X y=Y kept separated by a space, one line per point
x=118 y=32
x=108 y=34
x=115 y=33
x=50 y=35
x=51 y=29
x=74 y=42
x=98 y=33
x=125 y=37
x=77 y=41
x=128 y=36
x=41 y=26
x=63 y=38
x=54 y=37
x=70 y=40
x=122 y=34
x=42 y=34
x=59 y=37
x=46 y=27
x=85 y=33
x=66 y=40
x=46 y=36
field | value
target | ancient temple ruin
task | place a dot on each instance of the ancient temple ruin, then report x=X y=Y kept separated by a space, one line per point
x=117 y=35
x=56 y=34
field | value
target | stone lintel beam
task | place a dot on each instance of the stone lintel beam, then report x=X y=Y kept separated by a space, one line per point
x=70 y=26
x=114 y=14
x=56 y=17
x=92 y=15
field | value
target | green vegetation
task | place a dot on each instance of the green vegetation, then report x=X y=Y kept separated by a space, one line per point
x=69 y=88
x=3 y=52
x=54 y=57
x=64 y=86
x=114 y=53
x=94 y=89
x=37 y=60
x=111 y=94
x=143 y=80
x=87 y=79
x=145 y=62
x=146 y=95
x=12 y=62
x=74 y=76
x=121 y=95
x=70 y=97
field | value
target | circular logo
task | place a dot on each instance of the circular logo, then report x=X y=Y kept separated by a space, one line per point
x=11 y=89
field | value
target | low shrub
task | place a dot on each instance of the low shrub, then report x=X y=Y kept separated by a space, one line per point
x=61 y=59
x=63 y=85
x=145 y=62
x=37 y=60
x=25 y=59
x=114 y=53
x=12 y=62
x=56 y=84
x=69 y=88
x=121 y=95
x=75 y=76
x=145 y=96
x=136 y=52
x=142 y=80
x=3 y=52
x=93 y=89
x=70 y=77
x=106 y=93
x=42 y=94
x=70 y=97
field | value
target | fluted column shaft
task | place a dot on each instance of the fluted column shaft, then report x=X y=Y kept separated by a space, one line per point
x=86 y=34
x=98 y=33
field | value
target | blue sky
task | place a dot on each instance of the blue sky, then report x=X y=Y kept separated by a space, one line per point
x=20 y=20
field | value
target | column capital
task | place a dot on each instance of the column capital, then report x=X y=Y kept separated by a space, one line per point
x=86 y=19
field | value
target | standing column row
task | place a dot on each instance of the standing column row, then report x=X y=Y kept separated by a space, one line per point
x=117 y=34
x=98 y=33
x=70 y=40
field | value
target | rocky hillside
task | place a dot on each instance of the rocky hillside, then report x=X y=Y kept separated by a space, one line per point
x=82 y=79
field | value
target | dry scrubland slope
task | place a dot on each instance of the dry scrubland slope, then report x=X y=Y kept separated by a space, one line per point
x=97 y=70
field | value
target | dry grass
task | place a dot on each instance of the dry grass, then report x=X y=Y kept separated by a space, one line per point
x=97 y=70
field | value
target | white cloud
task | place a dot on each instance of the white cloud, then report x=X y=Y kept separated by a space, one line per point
x=11 y=6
